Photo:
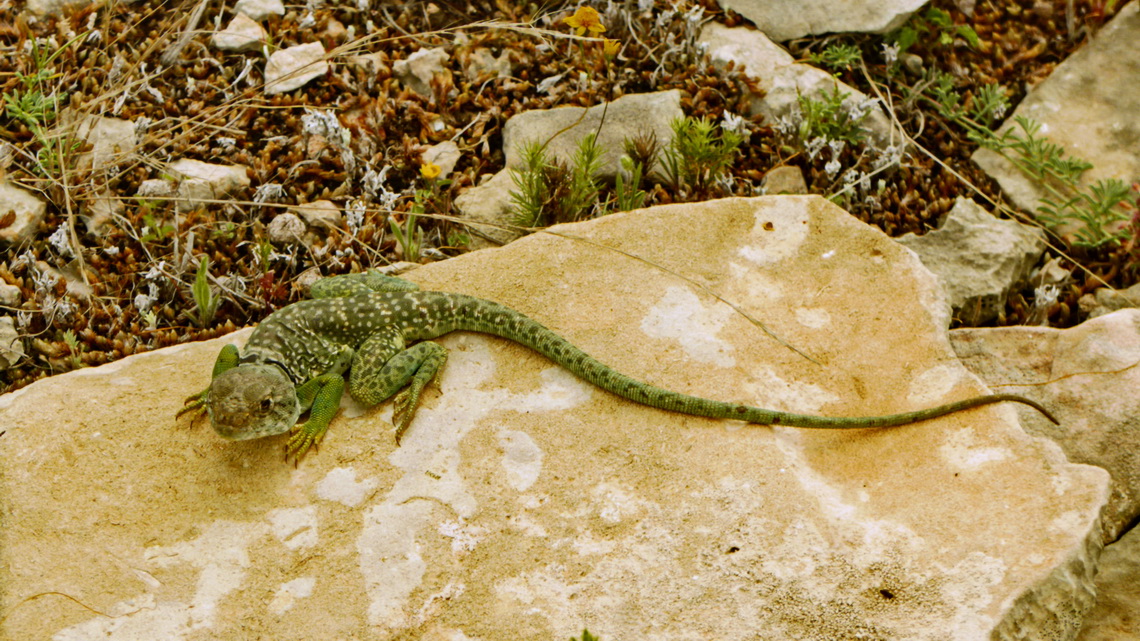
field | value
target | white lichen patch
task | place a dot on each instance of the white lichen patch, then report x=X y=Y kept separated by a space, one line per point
x=340 y=485
x=961 y=451
x=814 y=318
x=522 y=458
x=767 y=389
x=931 y=386
x=680 y=316
x=218 y=554
x=776 y=236
x=291 y=592
x=295 y=527
x=464 y=536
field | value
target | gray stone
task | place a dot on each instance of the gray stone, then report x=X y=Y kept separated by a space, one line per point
x=526 y=504
x=417 y=71
x=1088 y=105
x=285 y=229
x=787 y=20
x=1117 y=610
x=26 y=211
x=486 y=209
x=788 y=179
x=445 y=155
x=625 y=117
x=323 y=214
x=1104 y=300
x=293 y=68
x=11 y=345
x=9 y=295
x=112 y=140
x=242 y=34
x=157 y=188
x=200 y=181
x=781 y=80
x=260 y=9
x=481 y=64
x=1087 y=376
x=978 y=259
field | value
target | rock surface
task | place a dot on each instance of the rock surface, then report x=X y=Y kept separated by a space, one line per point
x=1089 y=375
x=242 y=34
x=525 y=504
x=21 y=212
x=787 y=20
x=978 y=258
x=200 y=181
x=782 y=80
x=1105 y=301
x=1088 y=105
x=1116 y=616
x=293 y=68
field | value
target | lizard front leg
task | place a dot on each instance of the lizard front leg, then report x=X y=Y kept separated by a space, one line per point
x=321 y=396
x=227 y=359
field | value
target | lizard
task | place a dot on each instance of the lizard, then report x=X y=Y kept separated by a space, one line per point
x=378 y=330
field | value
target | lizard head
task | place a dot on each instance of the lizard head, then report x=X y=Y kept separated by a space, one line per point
x=252 y=400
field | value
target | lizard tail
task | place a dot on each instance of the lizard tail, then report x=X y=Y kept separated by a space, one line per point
x=478 y=315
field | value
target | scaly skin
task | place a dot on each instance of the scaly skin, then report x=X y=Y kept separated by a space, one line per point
x=366 y=324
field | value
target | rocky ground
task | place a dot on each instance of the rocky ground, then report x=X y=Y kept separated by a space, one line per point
x=108 y=268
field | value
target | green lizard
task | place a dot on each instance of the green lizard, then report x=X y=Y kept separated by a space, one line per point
x=367 y=324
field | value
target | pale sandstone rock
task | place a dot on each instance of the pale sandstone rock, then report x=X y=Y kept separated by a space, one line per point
x=293 y=68
x=445 y=154
x=782 y=80
x=625 y=117
x=1105 y=301
x=787 y=20
x=978 y=258
x=1117 y=608
x=417 y=71
x=323 y=214
x=1088 y=105
x=242 y=34
x=27 y=212
x=285 y=229
x=260 y=9
x=11 y=344
x=524 y=504
x=200 y=181
x=489 y=203
x=785 y=180
x=112 y=140
x=1088 y=374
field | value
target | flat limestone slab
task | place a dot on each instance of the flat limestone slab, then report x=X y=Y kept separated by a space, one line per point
x=525 y=504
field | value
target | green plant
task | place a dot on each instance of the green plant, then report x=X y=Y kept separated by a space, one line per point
x=586 y=636
x=154 y=231
x=1102 y=211
x=836 y=56
x=205 y=301
x=698 y=156
x=547 y=191
x=829 y=118
x=72 y=342
x=936 y=22
x=629 y=196
x=410 y=237
x=37 y=105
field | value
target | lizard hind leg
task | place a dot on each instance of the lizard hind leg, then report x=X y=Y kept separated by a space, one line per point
x=375 y=379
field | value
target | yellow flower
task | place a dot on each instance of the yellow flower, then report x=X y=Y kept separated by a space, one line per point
x=585 y=18
x=430 y=170
x=610 y=47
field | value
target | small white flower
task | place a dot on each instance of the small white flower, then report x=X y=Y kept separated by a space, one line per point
x=891 y=53
x=832 y=168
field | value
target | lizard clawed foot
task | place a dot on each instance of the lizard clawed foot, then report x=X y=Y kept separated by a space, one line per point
x=403 y=410
x=194 y=403
x=303 y=437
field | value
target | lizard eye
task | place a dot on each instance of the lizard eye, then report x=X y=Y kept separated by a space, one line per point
x=266 y=404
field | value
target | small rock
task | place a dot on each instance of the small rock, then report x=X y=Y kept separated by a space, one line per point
x=336 y=30
x=416 y=72
x=306 y=279
x=112 y=140
x=370 y=63
x=785 y=180
x=260 y=9
x=285 y=229
x=977 y=258
x=156 y=188
x=1117 y=608
x=781 y=80
x=101 y=210
x=481 y=64
x=322 y=214
x=1104 y=300
x=625 y=117
x=787 y=20
x=11 y=347
x=200 y=181
x=293 y=68
x=445 y=155
x=490 y=203
x=9 y=295
x=21 y=213
x=242 y=34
